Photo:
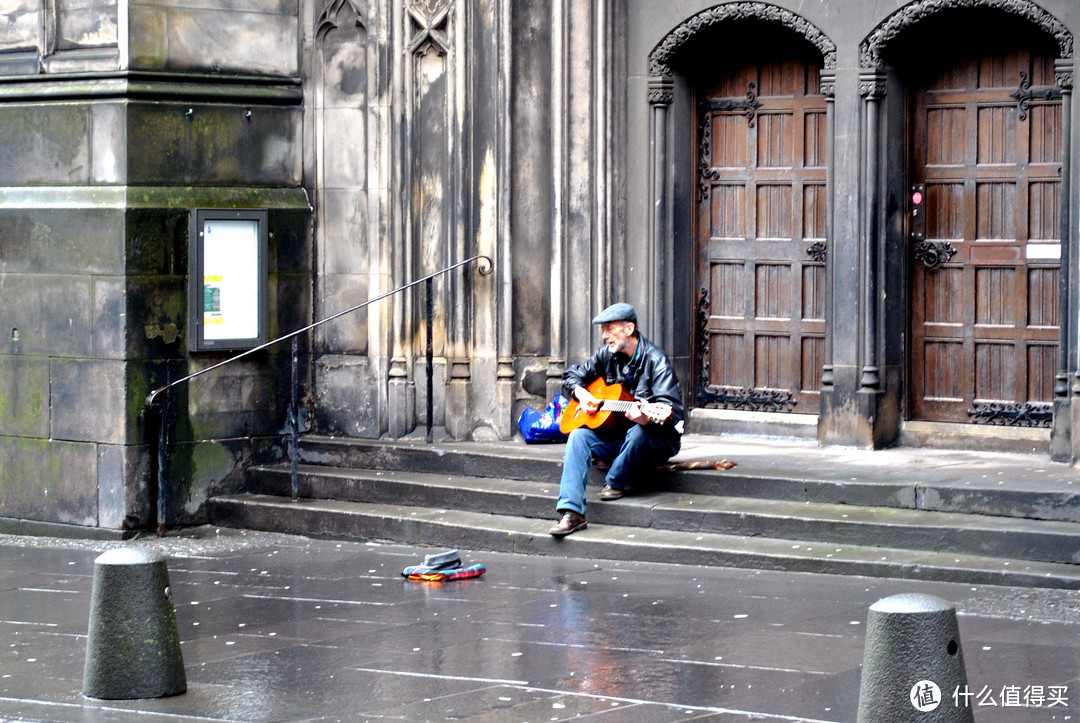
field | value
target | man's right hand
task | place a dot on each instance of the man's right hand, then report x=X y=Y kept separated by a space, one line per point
x=586 y=400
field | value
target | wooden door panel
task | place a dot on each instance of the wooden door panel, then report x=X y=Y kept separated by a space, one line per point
x=1042 y=305
x=984 y=323
x=772 y=297
x=813 y=294
x=996 y=136
x=945 y=219
x=943 y=371
x=772 y=360
x=1042 y=371
x=776 y=140
x=1044 y=210
x=728 y=217
x=995 y=210
x=942 y=306
x=728 y=351
x=773 y=211
x=994 y=364
x=729 y=141
x=761 y=177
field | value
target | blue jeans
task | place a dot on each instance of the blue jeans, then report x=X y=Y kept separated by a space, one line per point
x=642 y=449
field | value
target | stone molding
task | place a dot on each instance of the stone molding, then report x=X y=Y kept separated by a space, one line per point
x=661 y=90
x=430 y=20
x=871 y=48
x=329 y=18
x=662 y=55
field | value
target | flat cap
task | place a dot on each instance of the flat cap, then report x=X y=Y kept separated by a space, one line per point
x=616 y=312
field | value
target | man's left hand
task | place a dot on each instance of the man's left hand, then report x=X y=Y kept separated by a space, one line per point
x=635 y=415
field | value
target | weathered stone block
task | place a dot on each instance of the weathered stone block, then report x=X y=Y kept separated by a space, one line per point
x=86 y=23
x=239 y=400
x=345 y=232
x=234 y=41
x=51 y=239
x=46 y=143
x=48 y=480
x=108 y=147
x=157 y=230
x=110 y=317
x=147 y=41
x=89 y=401
x=156 y=317
x=52 y=313
x=215 y=37
x=290 y=295
x=348 y=333
x=19 y=25
x=345 y=159
x=125 y=499
x=344 y=68
x=349 y=390
x=199 y=470
x=24 y=396
x=215 y=144
x=290 y=230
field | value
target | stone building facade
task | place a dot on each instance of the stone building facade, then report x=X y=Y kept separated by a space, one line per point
x=850 y=219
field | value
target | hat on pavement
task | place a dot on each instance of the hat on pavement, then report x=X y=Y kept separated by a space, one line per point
x=616 y=312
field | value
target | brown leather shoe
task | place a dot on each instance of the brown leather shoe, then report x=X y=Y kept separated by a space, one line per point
x=571 y=522
x=609 y=493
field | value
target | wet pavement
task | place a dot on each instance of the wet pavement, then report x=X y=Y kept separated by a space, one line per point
x=281 y=628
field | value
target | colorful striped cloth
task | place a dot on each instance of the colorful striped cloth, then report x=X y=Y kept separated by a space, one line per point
x=435 y=574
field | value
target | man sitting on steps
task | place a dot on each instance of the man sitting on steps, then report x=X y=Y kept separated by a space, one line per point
x=648 y=429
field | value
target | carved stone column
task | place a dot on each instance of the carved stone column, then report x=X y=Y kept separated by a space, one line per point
x=1064 y=444
x=661 y=96
x=828 y=89
x=872 y=90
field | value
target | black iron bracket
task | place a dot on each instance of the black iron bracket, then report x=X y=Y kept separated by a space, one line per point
x=1013 y=414
x=1025 y=94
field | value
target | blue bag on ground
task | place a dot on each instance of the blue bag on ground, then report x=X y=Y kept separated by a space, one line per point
x=543 y=426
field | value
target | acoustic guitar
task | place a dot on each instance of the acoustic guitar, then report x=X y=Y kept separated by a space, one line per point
x=614 y=402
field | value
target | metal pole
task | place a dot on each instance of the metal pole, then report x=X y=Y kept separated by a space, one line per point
x=162 y=460
x=430 y=360
x=293 y=422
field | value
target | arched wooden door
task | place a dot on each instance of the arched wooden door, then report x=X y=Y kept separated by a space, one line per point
x=984 y=318
x=761 y=235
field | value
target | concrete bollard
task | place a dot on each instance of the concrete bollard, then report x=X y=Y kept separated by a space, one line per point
x=912 y=663
x=132 y=647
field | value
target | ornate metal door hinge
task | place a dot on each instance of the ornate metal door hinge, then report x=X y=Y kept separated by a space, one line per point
x=756 y=399
x=749 y=106
x=1013 y=414
x=1025 y=94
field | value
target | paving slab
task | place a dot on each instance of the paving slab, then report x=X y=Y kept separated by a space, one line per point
x=284 y=628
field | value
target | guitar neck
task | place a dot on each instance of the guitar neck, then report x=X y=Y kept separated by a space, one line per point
x=616 y=405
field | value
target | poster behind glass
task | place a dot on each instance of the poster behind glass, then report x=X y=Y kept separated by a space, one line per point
x=229 y=279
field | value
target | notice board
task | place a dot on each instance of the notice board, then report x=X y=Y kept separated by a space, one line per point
x=227 y=303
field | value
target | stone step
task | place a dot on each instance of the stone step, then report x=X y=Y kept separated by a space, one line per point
x=679 y=511
x=995 y=484
x=466 y=529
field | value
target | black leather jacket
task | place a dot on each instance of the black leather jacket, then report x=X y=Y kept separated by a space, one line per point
x=651 y=377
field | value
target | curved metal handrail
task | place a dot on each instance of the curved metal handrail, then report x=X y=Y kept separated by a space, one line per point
x=486 y=267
